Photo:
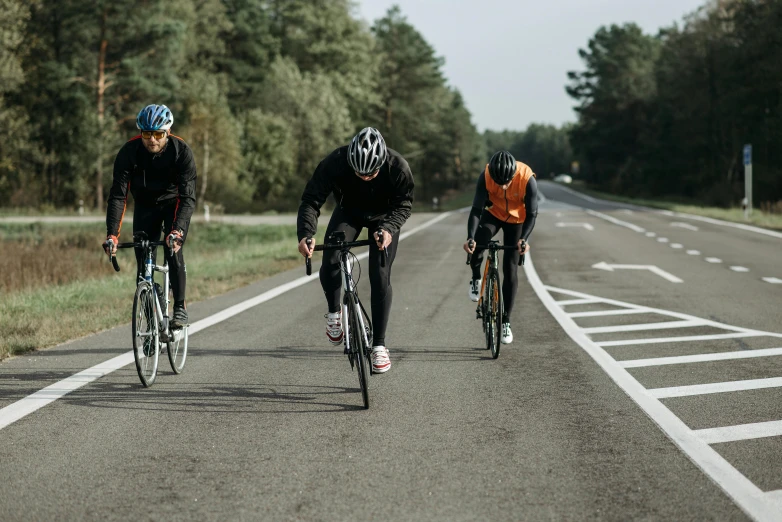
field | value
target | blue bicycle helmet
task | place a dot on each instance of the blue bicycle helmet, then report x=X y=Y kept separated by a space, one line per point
x=154 y=117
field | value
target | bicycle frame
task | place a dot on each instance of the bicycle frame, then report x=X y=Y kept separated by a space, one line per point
x=349 y=290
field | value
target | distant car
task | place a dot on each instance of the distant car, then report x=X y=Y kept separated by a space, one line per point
x=563 y=178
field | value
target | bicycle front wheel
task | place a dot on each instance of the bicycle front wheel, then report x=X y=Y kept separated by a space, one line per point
x=146 y=347
x=494 y=317
x=497 y=318
x=358 y=349
x=177 y=350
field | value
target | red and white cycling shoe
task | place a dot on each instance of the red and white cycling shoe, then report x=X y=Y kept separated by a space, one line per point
x=334 y=327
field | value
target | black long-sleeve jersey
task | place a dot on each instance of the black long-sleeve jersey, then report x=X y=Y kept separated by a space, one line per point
x=153 y=179
x=390 y=194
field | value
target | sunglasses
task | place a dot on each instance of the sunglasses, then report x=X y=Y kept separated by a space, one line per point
x=157 y=134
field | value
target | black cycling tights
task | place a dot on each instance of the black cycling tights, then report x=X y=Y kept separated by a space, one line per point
x=152 y=220
x=379 y=277
x=511 y=233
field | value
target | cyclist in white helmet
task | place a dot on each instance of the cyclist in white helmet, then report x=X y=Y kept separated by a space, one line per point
x=373 y=188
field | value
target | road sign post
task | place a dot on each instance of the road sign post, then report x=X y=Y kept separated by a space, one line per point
x=748 y=180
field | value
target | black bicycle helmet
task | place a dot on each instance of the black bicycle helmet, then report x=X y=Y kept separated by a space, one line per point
x=502 y=167
x=367 y=152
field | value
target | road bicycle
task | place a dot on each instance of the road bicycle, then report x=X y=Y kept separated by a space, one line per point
x=357 y=327
x=151 y=326
x=490 y=304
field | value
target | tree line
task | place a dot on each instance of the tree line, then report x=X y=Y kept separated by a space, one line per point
x=260 y=89
x=668 y=114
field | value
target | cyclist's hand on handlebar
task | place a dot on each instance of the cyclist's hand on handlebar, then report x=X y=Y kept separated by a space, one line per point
x=469 y=246
x=174 y=240
x=305 y=249
x=523 y=247
x=110 y=245
x=382 y=238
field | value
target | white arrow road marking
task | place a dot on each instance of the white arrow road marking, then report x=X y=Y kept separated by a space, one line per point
x=739 y=269
x=655 y=270
x=693 y=253
x=772 y=280
x=585 y=225
x=684 y=225
x=714 y=260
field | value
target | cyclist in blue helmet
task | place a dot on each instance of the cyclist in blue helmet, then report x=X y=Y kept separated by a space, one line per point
x=159 y=170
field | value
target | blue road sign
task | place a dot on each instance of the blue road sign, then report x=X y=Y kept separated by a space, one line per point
x=747 y=154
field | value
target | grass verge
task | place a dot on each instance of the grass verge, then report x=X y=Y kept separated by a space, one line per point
x=70 y=290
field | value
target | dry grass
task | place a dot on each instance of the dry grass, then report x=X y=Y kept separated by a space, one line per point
x=56 y=284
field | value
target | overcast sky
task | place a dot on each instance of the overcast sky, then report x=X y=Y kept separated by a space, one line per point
x=510 y=58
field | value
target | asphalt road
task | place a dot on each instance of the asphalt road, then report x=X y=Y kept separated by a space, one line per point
x=584 y=416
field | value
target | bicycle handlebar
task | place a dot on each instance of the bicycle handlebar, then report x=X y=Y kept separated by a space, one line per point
x=134 y=245
x=493 y=246
x=343 y=246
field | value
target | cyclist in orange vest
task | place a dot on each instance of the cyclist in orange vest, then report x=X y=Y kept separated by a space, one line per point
x=506 y=198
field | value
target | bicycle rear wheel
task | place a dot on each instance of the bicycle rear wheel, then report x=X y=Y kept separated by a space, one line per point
x=177 y=350
x=358 y=350
x=146 y=343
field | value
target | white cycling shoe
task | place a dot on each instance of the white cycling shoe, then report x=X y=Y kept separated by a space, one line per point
x=507 y=334
x=381 y=363
x=334 y=328
x=475 y=290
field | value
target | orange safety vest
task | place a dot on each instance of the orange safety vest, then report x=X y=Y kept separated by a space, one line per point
x=508 y=205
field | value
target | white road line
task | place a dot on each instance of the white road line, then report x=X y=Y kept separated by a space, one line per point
x=660 y=311
x=686 y=338
x=703 y=357
x=651 y=234
x=746 y=494
x=662 y=239
x=654 y=269
x=749 y=228
x=670 y=213
x=773 y=280
x=716 y=387
x=739 y=269
x=713 y=260
x=583 y=225
x=684 y=225
x=677 y=246
x=757 y=430
x=634 y=228
x=27 y=405
x=693 y=253
x=599 y=313
x=642 y=327
x=578 y=301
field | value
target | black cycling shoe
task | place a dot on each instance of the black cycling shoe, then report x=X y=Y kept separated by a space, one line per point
x=180 y=317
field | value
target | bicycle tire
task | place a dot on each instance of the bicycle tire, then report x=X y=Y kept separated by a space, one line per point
x=492 y=334
x=486 y=312
x=497 y=319
x=146 y=341
x=177 y=352
x=366 y=344
x=358 y=350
